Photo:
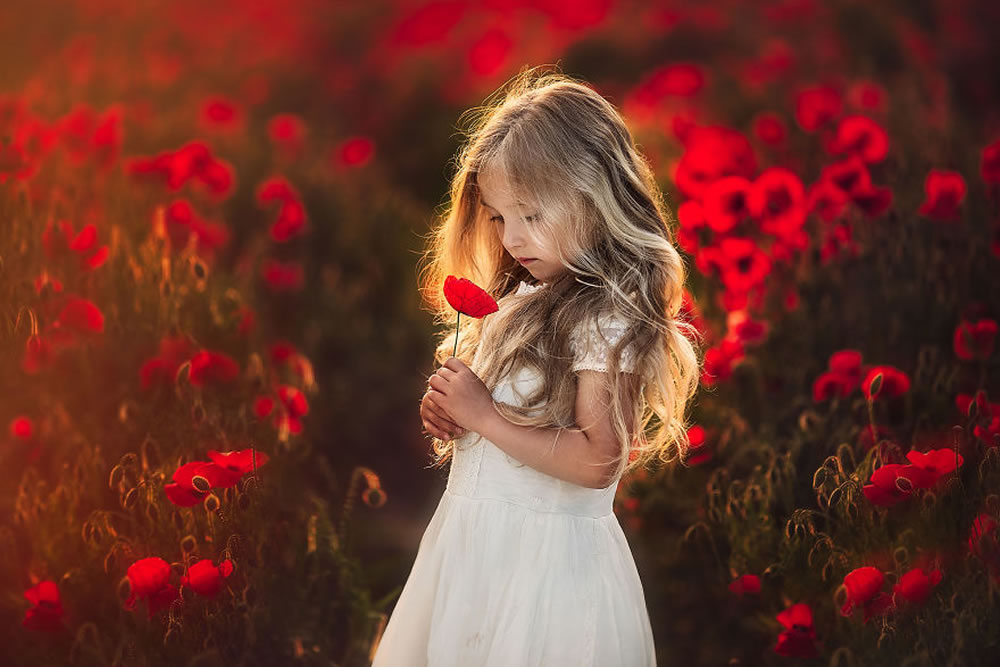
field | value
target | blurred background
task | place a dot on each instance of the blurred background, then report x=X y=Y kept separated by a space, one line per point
x=211 y=215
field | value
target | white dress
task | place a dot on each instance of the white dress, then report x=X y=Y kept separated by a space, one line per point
x=520 y=569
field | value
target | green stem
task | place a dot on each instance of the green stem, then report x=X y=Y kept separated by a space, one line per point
x=457 y=320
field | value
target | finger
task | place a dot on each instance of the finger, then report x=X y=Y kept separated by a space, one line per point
x=437 y=430
x=437 y=383
x=446 y=373
x=454 y=364
x=441 y=416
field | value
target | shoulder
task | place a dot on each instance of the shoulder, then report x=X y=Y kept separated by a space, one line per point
x=592 y=341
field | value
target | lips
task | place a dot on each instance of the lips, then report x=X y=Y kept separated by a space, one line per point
x=525 y=260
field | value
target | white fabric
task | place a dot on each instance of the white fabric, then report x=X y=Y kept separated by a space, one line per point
x=518 y=569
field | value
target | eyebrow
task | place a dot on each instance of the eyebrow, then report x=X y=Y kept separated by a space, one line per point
x=483 y=202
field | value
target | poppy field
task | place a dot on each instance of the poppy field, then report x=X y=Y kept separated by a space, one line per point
x=212 y=345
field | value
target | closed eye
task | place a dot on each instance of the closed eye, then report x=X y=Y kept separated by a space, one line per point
x=498 y=218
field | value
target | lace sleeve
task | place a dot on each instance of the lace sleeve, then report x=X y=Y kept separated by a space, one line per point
x=591 y=345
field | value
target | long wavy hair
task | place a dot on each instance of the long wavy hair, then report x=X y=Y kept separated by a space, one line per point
x=567 y=153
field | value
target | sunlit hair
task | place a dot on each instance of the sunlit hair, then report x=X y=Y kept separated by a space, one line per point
x=565 y=152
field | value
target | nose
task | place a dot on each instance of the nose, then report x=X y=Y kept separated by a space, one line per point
x=512 y=237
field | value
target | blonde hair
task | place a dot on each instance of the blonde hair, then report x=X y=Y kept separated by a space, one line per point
x=565 y=149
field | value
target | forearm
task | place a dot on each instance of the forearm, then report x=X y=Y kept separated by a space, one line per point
x=563 y=454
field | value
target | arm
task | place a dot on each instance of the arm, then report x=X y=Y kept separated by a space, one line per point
x=586 y=458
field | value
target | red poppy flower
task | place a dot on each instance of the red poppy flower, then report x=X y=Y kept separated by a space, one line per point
x=193 y=481
x=209 y=366
x=79 y=316
x=205 y=578
x=974 y=341
x=355 y=152
x=778 y=200
x=46 y=611
x=938 y=462
x=770 y=128
x=181 y=223
x=468 y=298
x=84 y=245
x=21 y=428
x=893 y=382
x=699 y=450
x=745 y=584
x=710 y=153
x=862 y=584
x=287 y=132
x=861 y=136
x=989 y=166
x=240 y=462
x=944 y=191
x=798 y=639
x=149 y=579
x=283 y=276
x=726 y=202
x=815 y=106
x=915 y=586
x=291 y=222
x=221 y=113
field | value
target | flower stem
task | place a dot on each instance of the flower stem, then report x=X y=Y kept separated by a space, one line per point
x=457 y=320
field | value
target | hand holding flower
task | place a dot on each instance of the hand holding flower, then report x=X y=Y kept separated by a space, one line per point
x=460 y=393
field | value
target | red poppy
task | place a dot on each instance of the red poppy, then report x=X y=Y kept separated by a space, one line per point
x=974 y=341
x=84 y=245
x=79 y=316
x=915 y=586
x=21 y=428
x=355 y=152
x=989 y=166
x=884 y=382
x=287 y=132
x=815 y=106
x=778 y=200
x=746 y=584
x=945 y=190
x=283 y=276
x=221 y=113
x=206 y=578
x=193 y=481
x=710 y=153
x=699 y=450
x=149 y=579
x=861 y=136
x=770 y=128
x=46 y=611
x=468 y=298
x=726 y=202
x=798 y=639
x=240 y=462
x=862 y=584
x=209 y=366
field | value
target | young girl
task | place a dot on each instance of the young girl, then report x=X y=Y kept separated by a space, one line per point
x=523 y=563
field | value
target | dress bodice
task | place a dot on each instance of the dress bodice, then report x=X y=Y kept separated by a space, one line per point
x=480 y=469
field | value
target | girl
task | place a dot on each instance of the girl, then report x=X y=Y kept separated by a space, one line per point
x=524 y=562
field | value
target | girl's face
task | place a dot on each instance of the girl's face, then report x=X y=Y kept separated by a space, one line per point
x=502 y=208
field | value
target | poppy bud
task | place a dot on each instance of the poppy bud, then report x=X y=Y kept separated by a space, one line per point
x=177 y=568
x=124 y=590
x=128 y=502
x=211 y=502
x=115 y=477
x=201 y=483
x=188 y=543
